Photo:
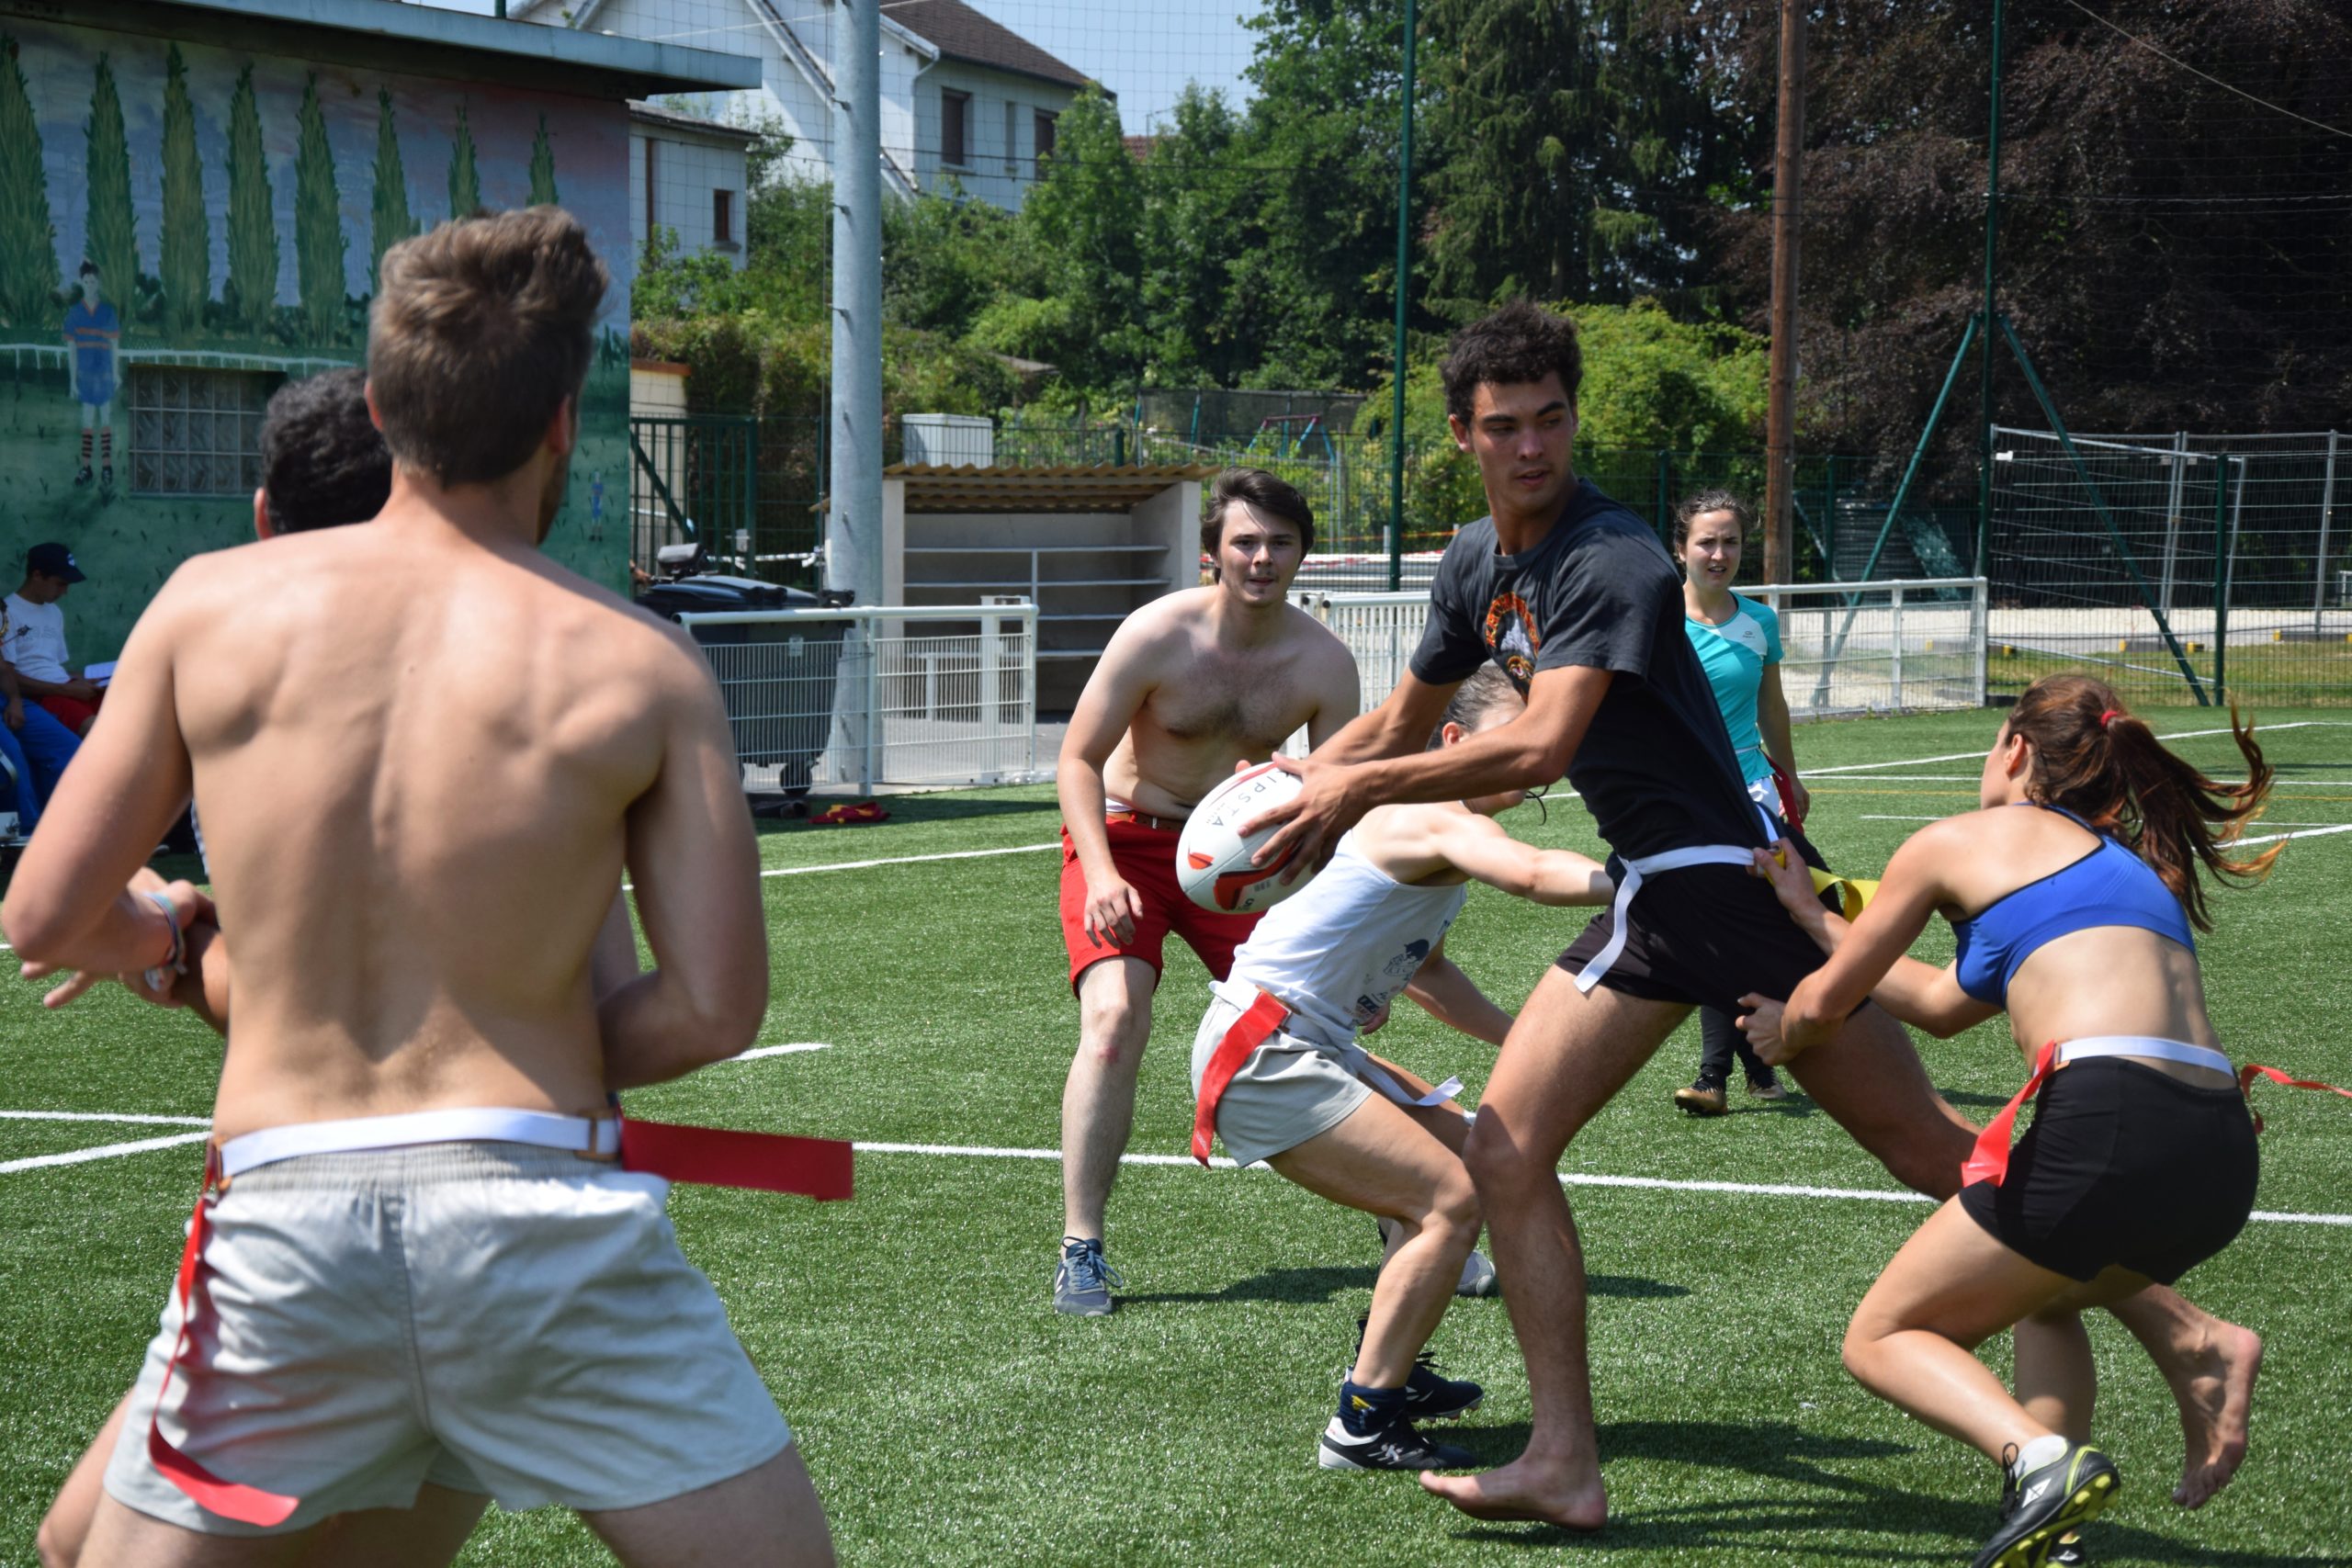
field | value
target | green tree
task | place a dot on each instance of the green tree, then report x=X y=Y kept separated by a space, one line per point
x=27 y=235
x=543 y=192
x=1202 y=207
x=319 y=243
x=1576 y=148
x=252 y=293
x=1321 y=141
x=1082 y=312
x=392 y=220
x=465 y=183
x=110 y=234
x=187 y=232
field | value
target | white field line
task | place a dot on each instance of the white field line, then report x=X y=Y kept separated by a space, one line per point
x=1979 y=752
x=908 y=859
x=977 y=1151
x=104 y=1116
x=107 y=1151
x=797 y=1046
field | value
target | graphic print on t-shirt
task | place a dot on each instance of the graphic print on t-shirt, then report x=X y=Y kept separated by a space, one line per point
x=1511 y=632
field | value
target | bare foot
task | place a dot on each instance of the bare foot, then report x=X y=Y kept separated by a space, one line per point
x=2215 y=1391
x=1518 y=1492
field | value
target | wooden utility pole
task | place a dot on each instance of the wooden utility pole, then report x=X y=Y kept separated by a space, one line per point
x=1780 y=438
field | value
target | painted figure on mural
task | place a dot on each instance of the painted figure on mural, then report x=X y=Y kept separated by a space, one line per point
x=93 y=332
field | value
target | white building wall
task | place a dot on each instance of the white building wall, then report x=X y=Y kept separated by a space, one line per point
x=996 y=169
x=686 y=174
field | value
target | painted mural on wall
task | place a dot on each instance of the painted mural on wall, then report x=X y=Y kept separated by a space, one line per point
x=184 y=228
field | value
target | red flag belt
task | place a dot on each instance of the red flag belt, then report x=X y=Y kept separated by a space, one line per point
x=1989 y=1161
x=1259 y=1020
x=709 y=1156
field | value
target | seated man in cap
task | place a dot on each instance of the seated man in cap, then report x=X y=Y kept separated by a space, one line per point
x=36 y=638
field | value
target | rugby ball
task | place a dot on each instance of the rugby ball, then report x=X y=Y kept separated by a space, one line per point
x=1212 y=858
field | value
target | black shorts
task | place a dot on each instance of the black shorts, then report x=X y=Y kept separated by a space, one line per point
x=2123 y=1165
x=1706 y=935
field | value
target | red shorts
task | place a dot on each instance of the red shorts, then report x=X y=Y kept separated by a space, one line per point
x=1146 y=858
x=70 y=712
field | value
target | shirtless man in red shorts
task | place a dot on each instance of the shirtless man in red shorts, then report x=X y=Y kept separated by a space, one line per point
x=1191 y=684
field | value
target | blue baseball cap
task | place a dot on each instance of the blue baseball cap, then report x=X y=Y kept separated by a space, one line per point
x=53 y=560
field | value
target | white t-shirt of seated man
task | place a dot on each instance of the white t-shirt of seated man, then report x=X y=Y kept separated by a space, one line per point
x=35 y=639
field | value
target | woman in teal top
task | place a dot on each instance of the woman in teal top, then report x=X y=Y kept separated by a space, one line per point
x=1738 y=643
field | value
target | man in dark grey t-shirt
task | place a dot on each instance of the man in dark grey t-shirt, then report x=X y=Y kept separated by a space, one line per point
x=1575 y=599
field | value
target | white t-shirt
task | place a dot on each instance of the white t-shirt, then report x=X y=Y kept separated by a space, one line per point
x=36 y=640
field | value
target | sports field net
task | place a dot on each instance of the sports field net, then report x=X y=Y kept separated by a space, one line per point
x=854 y=698
x=1903 y=646
x=2181 y=568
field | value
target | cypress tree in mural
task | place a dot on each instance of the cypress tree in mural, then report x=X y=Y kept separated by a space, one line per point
x=393 y=220
x=27 y=238
x=188 y=234
x=543 y=170
x=252 y=226
x=464 y=185
x=110 y=238
x=318 y=244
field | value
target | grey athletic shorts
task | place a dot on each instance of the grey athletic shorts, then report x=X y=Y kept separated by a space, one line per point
x=1289 y=1090
x=488 y=1316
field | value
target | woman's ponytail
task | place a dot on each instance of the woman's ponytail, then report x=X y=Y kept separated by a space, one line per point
x=2099 y=759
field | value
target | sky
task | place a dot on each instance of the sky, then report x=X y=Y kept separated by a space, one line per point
x=1144 y=51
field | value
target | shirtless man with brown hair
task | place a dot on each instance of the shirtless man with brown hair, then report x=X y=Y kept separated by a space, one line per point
x=1191 y=684
x=401 y=1262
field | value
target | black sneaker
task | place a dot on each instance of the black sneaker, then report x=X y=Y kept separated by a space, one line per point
x=1430 y=1395
x=106 y=477
x=2043 y=1505
x=82 y=476
x=1394 y=1447
x=1706 y=1098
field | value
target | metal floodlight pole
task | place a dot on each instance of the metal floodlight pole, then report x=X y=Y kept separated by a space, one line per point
x=853 y=528
x=1991 y=314
x=1403 y=270
x=1780 y=417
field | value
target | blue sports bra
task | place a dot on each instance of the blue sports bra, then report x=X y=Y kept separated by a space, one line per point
x=2108 y=887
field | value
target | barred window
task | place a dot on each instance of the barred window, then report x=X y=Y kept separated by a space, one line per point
x=196 y=431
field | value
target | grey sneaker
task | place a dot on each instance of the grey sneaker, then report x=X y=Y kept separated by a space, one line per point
x=1083 y=1281
x=1477 y=1277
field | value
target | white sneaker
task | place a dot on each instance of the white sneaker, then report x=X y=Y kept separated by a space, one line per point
x=1477 y=1278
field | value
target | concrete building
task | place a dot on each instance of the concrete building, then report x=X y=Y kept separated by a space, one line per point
x=966 y=101
x=231 y=171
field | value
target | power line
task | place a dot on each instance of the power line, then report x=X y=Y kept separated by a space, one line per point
x=2241 y=92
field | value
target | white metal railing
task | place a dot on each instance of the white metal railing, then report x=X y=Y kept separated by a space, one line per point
x=1880 y=646
x=877 y=694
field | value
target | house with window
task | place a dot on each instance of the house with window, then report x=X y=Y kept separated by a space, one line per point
x=967 y=104
x=194 y=199
x=688 y=176
x=985 y=109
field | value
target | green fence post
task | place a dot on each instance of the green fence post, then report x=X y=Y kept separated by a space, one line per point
x=2220 y=577
x=1119 y=448
x=1829 y=518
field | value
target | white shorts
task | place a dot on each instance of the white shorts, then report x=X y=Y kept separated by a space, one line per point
x=1288 y=1090
x=484 y=1315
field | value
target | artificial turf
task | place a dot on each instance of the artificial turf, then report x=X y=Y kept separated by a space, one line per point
x=949 y=1417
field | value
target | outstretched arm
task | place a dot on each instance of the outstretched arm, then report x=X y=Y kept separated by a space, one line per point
x=70 y=906
x=1533 y=749
x=1452 y=998
x=696 y=865
x=1478 y=847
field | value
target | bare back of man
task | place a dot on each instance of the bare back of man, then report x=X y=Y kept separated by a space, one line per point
x=1191 y=686
x=423 y=758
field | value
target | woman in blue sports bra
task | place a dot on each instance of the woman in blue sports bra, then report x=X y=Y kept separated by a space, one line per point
x=2072 y=894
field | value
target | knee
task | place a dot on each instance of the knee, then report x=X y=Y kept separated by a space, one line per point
x=54 y=1547
x=1453 y=1209
x=1111 y=1032
x=1498 y=1166
x=1859 y=1349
